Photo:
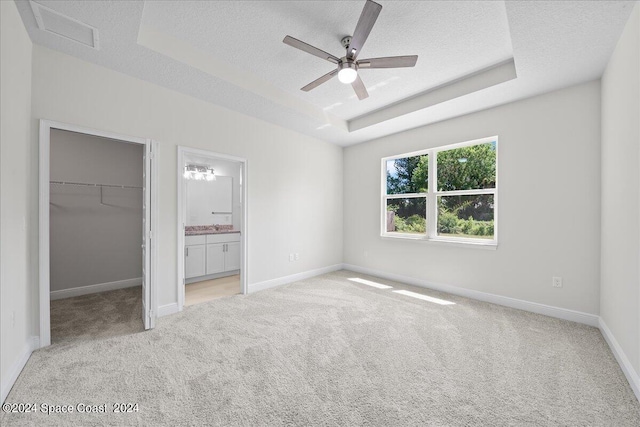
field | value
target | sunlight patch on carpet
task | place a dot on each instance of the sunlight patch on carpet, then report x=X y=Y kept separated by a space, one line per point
x=370 y=283
x=425 y=297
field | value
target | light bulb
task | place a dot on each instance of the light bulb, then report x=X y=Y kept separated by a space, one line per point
x=210 y=177
x=198 y=176
x=187 y=174
x=347 y=75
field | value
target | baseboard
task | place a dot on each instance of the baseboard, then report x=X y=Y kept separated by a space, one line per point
x=547 y=310
x=14 y=371
x=94 y=289
x=267 y=284
x=165 y=310
x=621 y=357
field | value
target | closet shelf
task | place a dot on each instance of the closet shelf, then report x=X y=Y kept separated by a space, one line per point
x=84 y=184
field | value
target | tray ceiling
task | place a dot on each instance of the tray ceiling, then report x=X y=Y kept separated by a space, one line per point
x=231 y=54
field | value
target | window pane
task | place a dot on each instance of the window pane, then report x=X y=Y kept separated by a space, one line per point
x=467 y=168
x=408 y=215
x=407 y=175
x=466 y=216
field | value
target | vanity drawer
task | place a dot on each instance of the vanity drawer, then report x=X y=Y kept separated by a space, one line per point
x=223 y=238
x=195 y=240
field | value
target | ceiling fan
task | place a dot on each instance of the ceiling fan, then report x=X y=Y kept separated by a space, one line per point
x=348 y=66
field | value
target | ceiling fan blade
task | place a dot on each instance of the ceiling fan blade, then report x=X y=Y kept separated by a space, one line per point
x=389 y=62
x=363 y=28
x=298 y=44
x=358 y=86
x=318 y=82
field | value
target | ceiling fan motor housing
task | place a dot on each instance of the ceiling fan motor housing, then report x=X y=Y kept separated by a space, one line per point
x=347 y=63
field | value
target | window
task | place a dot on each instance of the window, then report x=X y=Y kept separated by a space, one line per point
x=446 y=194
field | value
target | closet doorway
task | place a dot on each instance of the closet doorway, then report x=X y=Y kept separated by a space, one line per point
x=98 y=213
x=212 y=226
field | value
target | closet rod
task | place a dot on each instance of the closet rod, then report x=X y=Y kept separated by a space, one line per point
x=93 y=185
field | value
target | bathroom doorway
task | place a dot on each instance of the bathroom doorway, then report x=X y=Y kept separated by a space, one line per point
x=212 y=226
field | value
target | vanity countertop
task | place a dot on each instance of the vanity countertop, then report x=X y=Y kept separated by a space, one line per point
x=204 y=232
x=199 y=230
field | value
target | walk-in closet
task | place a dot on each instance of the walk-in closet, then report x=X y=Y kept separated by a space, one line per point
x=96 y=223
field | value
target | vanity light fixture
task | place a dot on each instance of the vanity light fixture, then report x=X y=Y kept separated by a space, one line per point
x=199 y=173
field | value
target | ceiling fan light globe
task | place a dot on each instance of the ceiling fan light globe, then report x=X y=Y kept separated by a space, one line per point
x=347 y=75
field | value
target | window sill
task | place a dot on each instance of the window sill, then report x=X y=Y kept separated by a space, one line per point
x=492 y=246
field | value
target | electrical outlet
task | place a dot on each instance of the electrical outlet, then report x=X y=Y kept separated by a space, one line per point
x=557 y=282
x=297 y=256
x=291 y=258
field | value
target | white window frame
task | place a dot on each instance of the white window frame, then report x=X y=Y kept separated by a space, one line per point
x=432 y=195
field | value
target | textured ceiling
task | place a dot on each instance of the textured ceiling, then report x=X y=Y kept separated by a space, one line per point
x=554 y=44
x=447 y=37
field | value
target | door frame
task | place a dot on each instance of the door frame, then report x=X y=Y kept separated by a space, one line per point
x=181 y=211
x=150 y=186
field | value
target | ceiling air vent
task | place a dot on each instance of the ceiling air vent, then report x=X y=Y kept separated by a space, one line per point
x=54 y=22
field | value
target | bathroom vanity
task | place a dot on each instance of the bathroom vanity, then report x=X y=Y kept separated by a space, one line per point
x=211 y=252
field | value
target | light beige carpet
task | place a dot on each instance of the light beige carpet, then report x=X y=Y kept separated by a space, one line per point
x=328 y=351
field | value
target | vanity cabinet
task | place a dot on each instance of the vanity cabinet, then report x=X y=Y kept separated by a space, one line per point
x=223 y=257
x=195 y=262
x=211 y=254
x=215 y=258
x=232 y=256
x=223 y=252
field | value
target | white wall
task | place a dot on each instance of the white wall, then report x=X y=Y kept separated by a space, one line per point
x=94 y=241
x=16 y=210
x=294 y=182
x=549 y=198
x=620 y=280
